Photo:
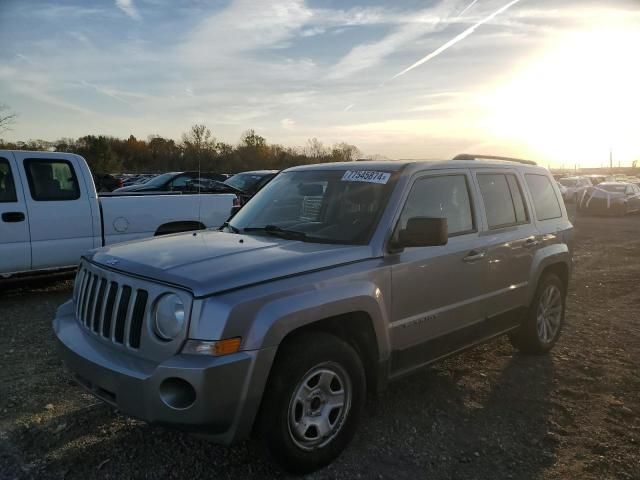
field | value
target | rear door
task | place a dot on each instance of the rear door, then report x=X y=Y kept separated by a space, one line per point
x=511 y=240
x=59 y=209
x=15 y=251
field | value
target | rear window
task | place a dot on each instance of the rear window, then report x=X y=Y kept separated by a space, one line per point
x=7 y=187
x=544 y=197
x=51 y=180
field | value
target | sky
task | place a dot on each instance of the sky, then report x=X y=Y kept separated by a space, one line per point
x=557 y=81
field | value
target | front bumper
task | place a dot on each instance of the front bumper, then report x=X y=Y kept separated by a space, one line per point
x=225 y=395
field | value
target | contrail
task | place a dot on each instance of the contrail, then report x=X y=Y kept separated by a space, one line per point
x=456 y=39
x=468 y=7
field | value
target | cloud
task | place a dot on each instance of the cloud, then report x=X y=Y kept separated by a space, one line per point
x=245 y=25
x=129 y=8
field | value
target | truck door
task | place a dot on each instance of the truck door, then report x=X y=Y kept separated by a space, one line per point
x=15 y=251
x=59 y=209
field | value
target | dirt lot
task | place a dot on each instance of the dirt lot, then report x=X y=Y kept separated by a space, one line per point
x=489 y=413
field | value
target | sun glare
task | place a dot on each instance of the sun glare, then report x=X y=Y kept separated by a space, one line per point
x=576 y=102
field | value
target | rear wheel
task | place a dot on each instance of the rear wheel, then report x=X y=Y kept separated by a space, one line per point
x=312 y=402
x=541 y=327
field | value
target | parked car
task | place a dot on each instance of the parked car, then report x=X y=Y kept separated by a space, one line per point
x=170 y=182
x=281 y=322
x=247 y=184
x=576 y=186
x=207 y=185
x=51 y=214
x=105 y=182
x=611 y=198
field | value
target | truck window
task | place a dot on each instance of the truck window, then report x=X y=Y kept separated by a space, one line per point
x=503 y=202
x=51 y=180
x=444 y=196
x=7 y=187
x=544 y=197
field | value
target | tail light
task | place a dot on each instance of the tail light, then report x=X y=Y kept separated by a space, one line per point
x=120 y=183
x=236 y=202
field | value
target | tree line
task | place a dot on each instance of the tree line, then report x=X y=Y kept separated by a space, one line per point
x=197 y=149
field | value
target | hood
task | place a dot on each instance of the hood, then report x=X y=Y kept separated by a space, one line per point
x=209 y=262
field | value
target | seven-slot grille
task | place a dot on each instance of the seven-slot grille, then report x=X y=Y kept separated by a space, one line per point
x=112 y=310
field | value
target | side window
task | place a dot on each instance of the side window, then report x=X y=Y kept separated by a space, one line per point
x=51 y=180
x=544 y=197
x=7 y=187
x=503 y=202
x=441 y=197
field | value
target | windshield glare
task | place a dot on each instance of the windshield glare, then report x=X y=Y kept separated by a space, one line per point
x=326 y=205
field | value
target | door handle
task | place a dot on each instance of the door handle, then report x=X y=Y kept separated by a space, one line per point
x=11 y=217
x=474 y=256
x=531 y=242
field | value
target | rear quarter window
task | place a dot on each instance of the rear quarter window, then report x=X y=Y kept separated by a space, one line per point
x=545 y=202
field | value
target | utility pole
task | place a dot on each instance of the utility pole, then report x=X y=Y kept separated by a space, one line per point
x=610 y=159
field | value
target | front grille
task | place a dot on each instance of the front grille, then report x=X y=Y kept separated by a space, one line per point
x=113 y=310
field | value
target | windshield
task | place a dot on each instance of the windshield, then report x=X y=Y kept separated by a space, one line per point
x=246 y=182
x=160 y=180
x=568 y=182
x=334 y=206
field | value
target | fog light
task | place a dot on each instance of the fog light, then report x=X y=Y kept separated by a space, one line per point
x=214 y=348
x=177 y=393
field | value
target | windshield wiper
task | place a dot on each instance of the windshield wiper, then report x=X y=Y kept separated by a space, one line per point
x=278 y=232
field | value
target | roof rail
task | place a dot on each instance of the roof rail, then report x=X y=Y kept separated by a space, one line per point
x=469 y=156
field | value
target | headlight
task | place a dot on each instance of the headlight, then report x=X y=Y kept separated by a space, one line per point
x=168 y=318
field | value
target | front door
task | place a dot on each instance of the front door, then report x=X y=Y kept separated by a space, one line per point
x=15 y=250
x=437 y=292
x=59 y=209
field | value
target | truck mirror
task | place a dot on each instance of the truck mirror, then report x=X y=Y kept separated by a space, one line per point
x=423 y=232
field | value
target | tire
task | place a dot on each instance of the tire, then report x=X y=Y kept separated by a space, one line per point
x=309 y=372
x=535 y=335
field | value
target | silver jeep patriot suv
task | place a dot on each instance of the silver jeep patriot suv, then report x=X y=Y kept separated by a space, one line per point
x=333 y=280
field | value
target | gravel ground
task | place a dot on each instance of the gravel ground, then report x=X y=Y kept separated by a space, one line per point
x=489 y=413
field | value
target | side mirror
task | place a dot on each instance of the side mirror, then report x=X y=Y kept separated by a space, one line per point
x=423 y=232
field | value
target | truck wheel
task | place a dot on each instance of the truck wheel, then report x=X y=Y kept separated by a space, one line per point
x=543 y=323
x=312 y=402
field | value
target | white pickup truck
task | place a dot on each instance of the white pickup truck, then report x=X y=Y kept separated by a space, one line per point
x=50 y=213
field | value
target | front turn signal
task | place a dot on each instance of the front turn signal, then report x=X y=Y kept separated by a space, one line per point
x=215 y=348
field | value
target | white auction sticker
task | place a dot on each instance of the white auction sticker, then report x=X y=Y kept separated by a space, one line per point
x=366 y=176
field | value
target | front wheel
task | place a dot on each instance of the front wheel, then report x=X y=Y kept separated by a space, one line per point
x=312 y=402
x=543 y=323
